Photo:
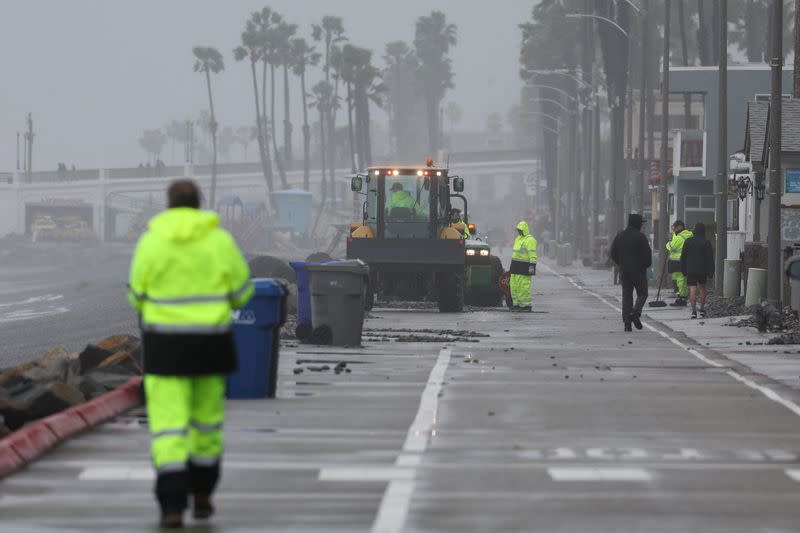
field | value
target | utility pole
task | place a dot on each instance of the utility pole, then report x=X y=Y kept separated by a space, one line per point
x=796 y=91
x=597 y=175
x=629 y=191
x=588 y=171
x=29 y=139
x=663 y=210
x=17 y=150
x=774 y=275
x=640 y=187
x=722 y=152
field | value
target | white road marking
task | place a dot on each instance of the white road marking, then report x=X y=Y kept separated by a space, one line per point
x=359 y=473
x=116 y=473
x=598 y=474
x=769 y=393
x=31 y=308
x=396 y=500
x=793 y=473
x=34 y=300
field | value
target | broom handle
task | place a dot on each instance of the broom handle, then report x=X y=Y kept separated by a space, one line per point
x=661 y=279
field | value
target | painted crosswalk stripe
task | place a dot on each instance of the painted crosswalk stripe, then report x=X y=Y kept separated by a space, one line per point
x=114 y=473
x=389 y=473
x=567 y=474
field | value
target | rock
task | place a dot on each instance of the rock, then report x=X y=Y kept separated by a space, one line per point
x=89 y=387
x=341 y=366
x=267 y=266
x=4 y=431
x=16 y=371
x=91 y=356
x=53 y=355
x=16 y=385
x=119 y=343
x=110 y=377
x=298 y=371
x=55 y=370
x=44 y=401
x=123 y=359
x=14 y=411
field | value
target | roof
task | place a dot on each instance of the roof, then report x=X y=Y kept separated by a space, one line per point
x=757 y=129
x=406 y=167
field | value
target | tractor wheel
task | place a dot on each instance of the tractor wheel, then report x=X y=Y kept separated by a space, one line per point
x=451 y=293
x=495 y=297
x=369 y=294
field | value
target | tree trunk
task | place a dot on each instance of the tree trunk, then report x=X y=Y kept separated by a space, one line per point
x=212 y=196
x=266 y=164
x=278 y=156
x=367 y=151
x=433 y=115
x=796 y=49
x=287 y=122
x=332 y=140
x=324 y=201
x=306 y=136
x=687 y=98
x=353 y=162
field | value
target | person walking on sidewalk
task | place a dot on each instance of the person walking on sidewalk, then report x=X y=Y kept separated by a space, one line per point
x=697 y=265
x=632 y=254
x=523 y=267
x=186 y=276
x=674 y=248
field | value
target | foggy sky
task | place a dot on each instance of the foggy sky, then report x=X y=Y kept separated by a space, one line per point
x=96 y=73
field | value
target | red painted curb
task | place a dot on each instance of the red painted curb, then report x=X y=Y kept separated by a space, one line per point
x=64 y=424
x=9 y=459
x=33 y=440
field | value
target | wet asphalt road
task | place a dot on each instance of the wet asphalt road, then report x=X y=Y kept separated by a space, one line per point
x=61 y=295
x=563 y=424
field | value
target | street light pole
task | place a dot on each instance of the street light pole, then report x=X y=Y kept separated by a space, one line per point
x=774 y=275
x=722 y=152
x=640 y=188
x=17 y=150
x=663 y=214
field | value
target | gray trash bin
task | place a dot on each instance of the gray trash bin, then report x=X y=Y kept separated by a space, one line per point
x=338 y=292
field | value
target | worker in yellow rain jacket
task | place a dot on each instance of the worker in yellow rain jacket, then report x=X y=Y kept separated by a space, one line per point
x=186 y=276
x=523 y=267
x=675 y=249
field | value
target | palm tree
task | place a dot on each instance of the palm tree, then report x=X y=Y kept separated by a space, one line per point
x=270 y=37
x=244 y=135
x=433 y=39
x=454 y=113
x=403 y=106
x=348 y=60
x=152 y=142
x=331 y=33
x=252 y=49
x=323 y=93
x=304 y=55
x=209 y=60
x=176 y=132
x=367 y=87
x=285 y=32
x=227 y=138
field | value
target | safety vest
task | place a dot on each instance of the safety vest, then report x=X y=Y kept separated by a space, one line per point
x=401 y=199
x=187 y=274
x=524 y=245
x=675 y=246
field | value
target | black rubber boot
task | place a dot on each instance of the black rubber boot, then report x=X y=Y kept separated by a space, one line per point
x=172 y=494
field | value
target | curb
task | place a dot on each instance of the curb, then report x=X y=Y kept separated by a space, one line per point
x=35 y=439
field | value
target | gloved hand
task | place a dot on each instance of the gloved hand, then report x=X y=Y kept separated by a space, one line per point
x=532 y=269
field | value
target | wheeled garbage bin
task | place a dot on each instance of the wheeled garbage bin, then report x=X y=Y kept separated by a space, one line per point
x=338 y=294
x=256 y=333
x=304 y=323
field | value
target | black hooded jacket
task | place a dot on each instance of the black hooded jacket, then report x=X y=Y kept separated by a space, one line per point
x=630 y=249
x=697 y=258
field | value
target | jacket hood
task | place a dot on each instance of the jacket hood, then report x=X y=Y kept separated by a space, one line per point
x=523 y=227
x=635 y=220
x=700 y=230
x=184 y=223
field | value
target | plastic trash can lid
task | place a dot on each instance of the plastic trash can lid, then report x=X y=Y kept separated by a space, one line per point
x=356 y=266
x=269 y=287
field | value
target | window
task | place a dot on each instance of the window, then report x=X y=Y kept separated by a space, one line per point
x=407 y=206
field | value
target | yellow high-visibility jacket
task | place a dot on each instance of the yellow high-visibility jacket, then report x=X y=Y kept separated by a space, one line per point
x=186 y=276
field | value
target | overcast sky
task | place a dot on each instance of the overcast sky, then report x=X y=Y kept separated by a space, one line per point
x=95 y=73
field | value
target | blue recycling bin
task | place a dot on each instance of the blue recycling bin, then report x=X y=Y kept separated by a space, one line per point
x=256 y=333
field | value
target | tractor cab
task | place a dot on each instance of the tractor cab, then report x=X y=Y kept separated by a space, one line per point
x=406 y=202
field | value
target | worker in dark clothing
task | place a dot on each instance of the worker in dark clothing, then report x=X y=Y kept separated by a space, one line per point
x=633 y=255
x=697 y=264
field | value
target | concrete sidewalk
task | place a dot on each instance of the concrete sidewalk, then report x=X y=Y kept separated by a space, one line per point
x=742 y=346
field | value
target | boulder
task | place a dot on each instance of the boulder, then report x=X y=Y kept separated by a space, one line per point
x=89 y=386
x=267 y=266
x=53 y=355
x=119 y=343
x=53 y=398
x=123 y=359
x=55 y=370
x=111 y=376
x=4 y=431
x=91 y=356
x=13 y=411
x=16 y=385
x=16 y=371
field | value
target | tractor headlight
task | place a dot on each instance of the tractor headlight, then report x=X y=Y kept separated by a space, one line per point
x=484 y=253
x=470 y=252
